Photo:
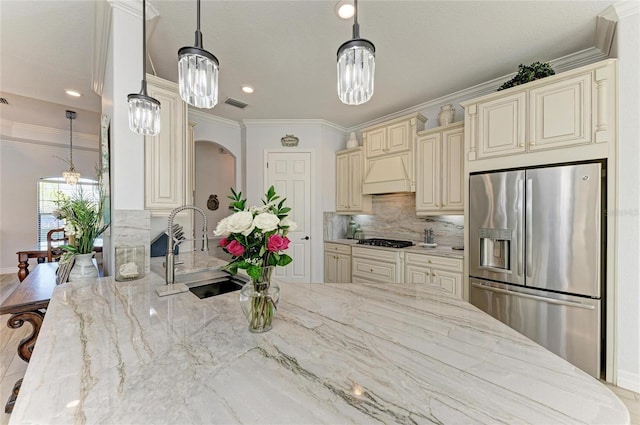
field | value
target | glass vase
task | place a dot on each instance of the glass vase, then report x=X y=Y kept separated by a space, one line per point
x=259 y=299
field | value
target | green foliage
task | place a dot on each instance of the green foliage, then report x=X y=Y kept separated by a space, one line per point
x=525 y=74
x=83 y=220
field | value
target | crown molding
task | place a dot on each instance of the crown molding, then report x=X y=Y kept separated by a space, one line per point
x=194 y=113
x=562 y=64
x=37 y=134
x=627 y=8
x=297 y=122
x=101 y=29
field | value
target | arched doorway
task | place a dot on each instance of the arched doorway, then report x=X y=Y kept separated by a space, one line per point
x=215 y=171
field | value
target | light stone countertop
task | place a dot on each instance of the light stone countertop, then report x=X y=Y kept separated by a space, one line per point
x=112 y=352
x=440 y=250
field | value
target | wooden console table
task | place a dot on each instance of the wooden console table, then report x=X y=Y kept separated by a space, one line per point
x=26 y=304
x=41 y=255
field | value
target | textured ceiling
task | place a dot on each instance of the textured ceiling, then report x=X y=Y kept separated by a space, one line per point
x=287 y=49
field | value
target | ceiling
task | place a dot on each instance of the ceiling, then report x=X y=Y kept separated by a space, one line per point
x=287 y=50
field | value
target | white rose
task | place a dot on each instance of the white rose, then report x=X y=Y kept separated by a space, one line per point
x=240 y=222
x=290 y=224
x=266 y=221
x=221 y=228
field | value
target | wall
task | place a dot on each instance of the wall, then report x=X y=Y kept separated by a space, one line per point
x=215 y=174
x=22 y=163
x=322 y=139
x=627 y=46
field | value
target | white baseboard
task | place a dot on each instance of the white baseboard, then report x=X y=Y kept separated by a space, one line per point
x=629 y=381
x=9 y=270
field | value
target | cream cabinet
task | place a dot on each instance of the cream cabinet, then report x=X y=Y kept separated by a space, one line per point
x=167 y=164
x=376 y=265
x=337 y=263
x=442 y=272
x=389 y=155
x=349 y=173
x=564 y=110
x=440 y=170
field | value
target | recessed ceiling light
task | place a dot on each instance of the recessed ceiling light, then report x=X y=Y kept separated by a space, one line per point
x=345 y=9
x=247 y=89
x=73 y=93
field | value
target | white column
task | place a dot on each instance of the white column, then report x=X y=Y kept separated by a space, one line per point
x=122 y=76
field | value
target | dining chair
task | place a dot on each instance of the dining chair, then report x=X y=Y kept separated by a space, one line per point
x=55 y=238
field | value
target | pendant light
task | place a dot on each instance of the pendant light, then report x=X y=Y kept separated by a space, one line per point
x=198 y=73
x=356 y=67
x=144 y=110
x=71 y=176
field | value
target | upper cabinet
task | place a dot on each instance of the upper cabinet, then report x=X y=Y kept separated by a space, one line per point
x=565 y=110
x=389 y=150
x=167 y=165
x=349 y=172
x=440 y=170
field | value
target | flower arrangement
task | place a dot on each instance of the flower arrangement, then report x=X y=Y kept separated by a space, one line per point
x=82 y=220
x=256 y=236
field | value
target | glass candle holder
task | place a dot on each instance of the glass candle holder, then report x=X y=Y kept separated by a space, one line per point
x=129 y=263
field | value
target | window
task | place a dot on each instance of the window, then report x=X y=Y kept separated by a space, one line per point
x=47 y=189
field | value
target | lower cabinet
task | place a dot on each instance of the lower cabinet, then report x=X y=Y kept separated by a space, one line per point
x=441 y=272
x=337 y=263
x=376 y=265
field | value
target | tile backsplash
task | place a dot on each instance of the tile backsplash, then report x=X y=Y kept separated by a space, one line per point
x=394 y=217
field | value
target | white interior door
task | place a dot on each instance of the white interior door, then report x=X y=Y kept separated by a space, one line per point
x=290 y=174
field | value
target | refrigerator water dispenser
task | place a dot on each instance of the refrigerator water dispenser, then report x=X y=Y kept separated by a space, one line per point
x=495 y=249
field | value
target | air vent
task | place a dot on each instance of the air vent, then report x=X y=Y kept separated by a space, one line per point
x=4 y=101
x=236 y=103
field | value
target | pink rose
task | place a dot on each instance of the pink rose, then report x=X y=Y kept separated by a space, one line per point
x=277 y=243
x=223 y=242
x=235 y=248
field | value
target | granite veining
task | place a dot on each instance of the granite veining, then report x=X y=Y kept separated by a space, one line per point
x=114 y=352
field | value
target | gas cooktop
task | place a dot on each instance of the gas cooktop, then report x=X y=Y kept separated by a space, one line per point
x=389 y=243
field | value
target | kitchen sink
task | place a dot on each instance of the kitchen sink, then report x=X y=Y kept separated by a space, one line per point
x=212 y=289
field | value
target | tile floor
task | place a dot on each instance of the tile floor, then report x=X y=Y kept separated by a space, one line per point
x=13 y=368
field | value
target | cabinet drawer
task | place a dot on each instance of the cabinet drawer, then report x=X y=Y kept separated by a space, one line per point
x=337 y=247
x=376 y=254
x=373 y=270
x=452 y=264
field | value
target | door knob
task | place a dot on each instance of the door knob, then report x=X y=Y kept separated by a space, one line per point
x=306 y=238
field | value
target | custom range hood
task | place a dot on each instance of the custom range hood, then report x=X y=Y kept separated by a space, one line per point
x=389 y=174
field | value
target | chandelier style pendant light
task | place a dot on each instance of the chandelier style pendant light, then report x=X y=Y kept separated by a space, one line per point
x=144 y=110
x=71 y=176
x=356 y=67
x=198 y=73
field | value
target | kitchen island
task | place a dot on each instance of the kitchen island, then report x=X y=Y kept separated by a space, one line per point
x=115 y=352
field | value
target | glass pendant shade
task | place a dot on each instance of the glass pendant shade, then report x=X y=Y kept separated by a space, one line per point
x=144 y=110
x=144 y=114
x=71 y=176
x=356 y=70
x=198 y=77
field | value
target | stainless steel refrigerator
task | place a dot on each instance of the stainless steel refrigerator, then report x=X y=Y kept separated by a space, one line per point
x=536 y=256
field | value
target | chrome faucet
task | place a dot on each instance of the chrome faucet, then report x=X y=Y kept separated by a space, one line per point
x=169 y=261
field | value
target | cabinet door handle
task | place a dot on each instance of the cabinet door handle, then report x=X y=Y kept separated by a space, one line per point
x=371 y=270
x=532 y=143
x=444 y=205
x=522 y=145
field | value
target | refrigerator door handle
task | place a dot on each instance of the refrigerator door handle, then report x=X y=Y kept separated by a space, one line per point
x=533 y=297
x=519 y=241
x=528 y=225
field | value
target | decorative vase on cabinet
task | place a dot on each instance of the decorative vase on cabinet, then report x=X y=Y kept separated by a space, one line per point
x=446 y=115
x=353 y=141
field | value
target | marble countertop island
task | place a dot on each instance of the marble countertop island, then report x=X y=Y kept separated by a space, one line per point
x=112 y=352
